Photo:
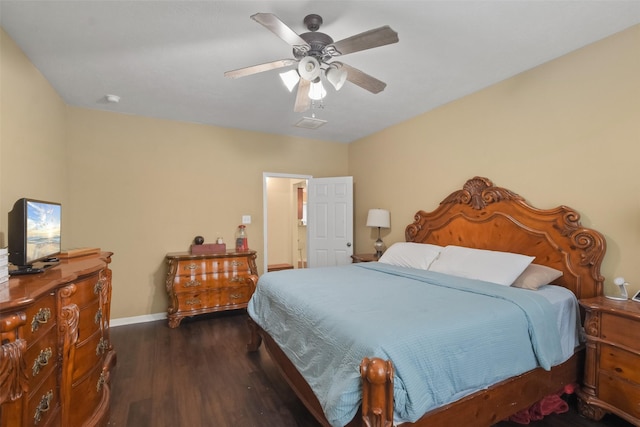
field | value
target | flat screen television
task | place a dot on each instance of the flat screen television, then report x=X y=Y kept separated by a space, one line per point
x=33 y=232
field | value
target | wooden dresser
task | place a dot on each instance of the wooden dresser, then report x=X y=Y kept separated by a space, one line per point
x=205 y=283
x=612 y=365
x=56 y=355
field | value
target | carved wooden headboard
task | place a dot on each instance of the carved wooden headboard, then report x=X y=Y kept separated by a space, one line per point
x=487 y=217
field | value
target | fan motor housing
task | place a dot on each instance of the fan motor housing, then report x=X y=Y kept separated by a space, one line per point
x=314 y=38
x=317 y=41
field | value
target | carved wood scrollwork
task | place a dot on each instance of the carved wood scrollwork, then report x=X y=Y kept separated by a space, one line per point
x=479 y=192
x=14 y=380
x=377 y=392
x=590 y=411
x=592 y=324
x=69 y=318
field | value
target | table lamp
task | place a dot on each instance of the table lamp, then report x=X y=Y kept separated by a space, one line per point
x=378 y=218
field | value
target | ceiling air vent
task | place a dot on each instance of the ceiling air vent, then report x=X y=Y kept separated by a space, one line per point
x=310 y=123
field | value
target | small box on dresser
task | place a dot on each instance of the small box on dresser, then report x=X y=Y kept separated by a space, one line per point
x=206 y=283
x=612 y=375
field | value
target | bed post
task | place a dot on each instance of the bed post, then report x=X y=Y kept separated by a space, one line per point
x=377 y=392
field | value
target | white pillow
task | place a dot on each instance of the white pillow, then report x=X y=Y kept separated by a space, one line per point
x=536 y=275
x=481 y=264
x=409 y=254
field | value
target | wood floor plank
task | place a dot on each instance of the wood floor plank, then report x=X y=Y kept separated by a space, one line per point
x=200 y=374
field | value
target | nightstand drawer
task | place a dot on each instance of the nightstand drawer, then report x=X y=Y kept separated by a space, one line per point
x=215 y=298
x=619 y=393
x=620 y=363
x=197 y=267
x=210 y=281
x=620 y=330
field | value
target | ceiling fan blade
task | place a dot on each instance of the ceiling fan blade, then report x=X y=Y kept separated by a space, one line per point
x=272 y=23
x=369 y=39
x=303 y=102
x=254 y=69
x=363 y=80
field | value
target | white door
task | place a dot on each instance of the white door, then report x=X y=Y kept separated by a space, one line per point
x=330 y=221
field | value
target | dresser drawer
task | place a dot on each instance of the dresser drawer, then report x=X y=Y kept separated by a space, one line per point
x=86 y=395
x=214 y=298
x=41 y=317
x=88 y=355
x=41 y=358
x=87 y=291
x=622 y=394
x=43 y=403
x=208 y=281
x=212 y=265
x=620 y=330
x=90 y=316
x=620 y=362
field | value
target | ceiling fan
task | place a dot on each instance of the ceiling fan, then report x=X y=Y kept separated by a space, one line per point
x=313 y=52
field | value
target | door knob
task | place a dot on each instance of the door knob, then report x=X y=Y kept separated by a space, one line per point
x=348 y=244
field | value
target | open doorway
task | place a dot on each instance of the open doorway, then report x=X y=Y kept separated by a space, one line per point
x=285 y=221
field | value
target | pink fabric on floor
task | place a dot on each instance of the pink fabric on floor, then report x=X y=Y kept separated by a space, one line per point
x=551 y=404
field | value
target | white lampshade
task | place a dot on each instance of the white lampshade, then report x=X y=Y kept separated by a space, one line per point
x=290 y=79
x=309 y=68
x=336 y=76
x=317 y=91
x=378 y=218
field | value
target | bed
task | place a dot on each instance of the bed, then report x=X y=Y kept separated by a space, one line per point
x=479 y=217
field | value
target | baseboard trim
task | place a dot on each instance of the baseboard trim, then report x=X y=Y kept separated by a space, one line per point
x=137 y=319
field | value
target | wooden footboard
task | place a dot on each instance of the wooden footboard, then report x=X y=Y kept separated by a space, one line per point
x=483 y=408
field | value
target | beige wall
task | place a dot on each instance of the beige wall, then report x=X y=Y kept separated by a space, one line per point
x=32 y=135
x=142 y=187
x=567 y=132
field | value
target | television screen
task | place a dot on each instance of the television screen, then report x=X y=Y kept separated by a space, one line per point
x=43 y=230
x=34 y=231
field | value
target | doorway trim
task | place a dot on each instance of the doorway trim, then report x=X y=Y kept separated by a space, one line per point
x=265 y=219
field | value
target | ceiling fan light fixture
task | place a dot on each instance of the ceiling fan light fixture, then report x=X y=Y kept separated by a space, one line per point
x=317 y=91
x=290 y=79
x=309 y=68
x=336 y=75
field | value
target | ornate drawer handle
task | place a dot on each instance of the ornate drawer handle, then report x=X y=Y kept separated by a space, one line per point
x=193 y=301
x=192 y=283
x=41 y=317
x=237 y=263
x=235 y=296
x=41 y=360
x=191 y=267
x=101 y=347
x=43 y=406
x=100 y=382
x=237 y=279
x=98 y=286
x=98 y=316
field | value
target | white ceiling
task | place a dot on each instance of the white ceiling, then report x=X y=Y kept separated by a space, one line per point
x=166 y=59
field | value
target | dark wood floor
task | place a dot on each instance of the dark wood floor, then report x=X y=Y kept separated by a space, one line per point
x=200 y=374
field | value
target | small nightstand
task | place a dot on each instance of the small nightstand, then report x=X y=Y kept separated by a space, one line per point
x=611 y=375
x=364 y=258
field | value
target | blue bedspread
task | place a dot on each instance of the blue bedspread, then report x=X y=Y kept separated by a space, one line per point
x=446 y=336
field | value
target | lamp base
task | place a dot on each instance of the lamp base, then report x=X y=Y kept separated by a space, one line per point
x=379 y=247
